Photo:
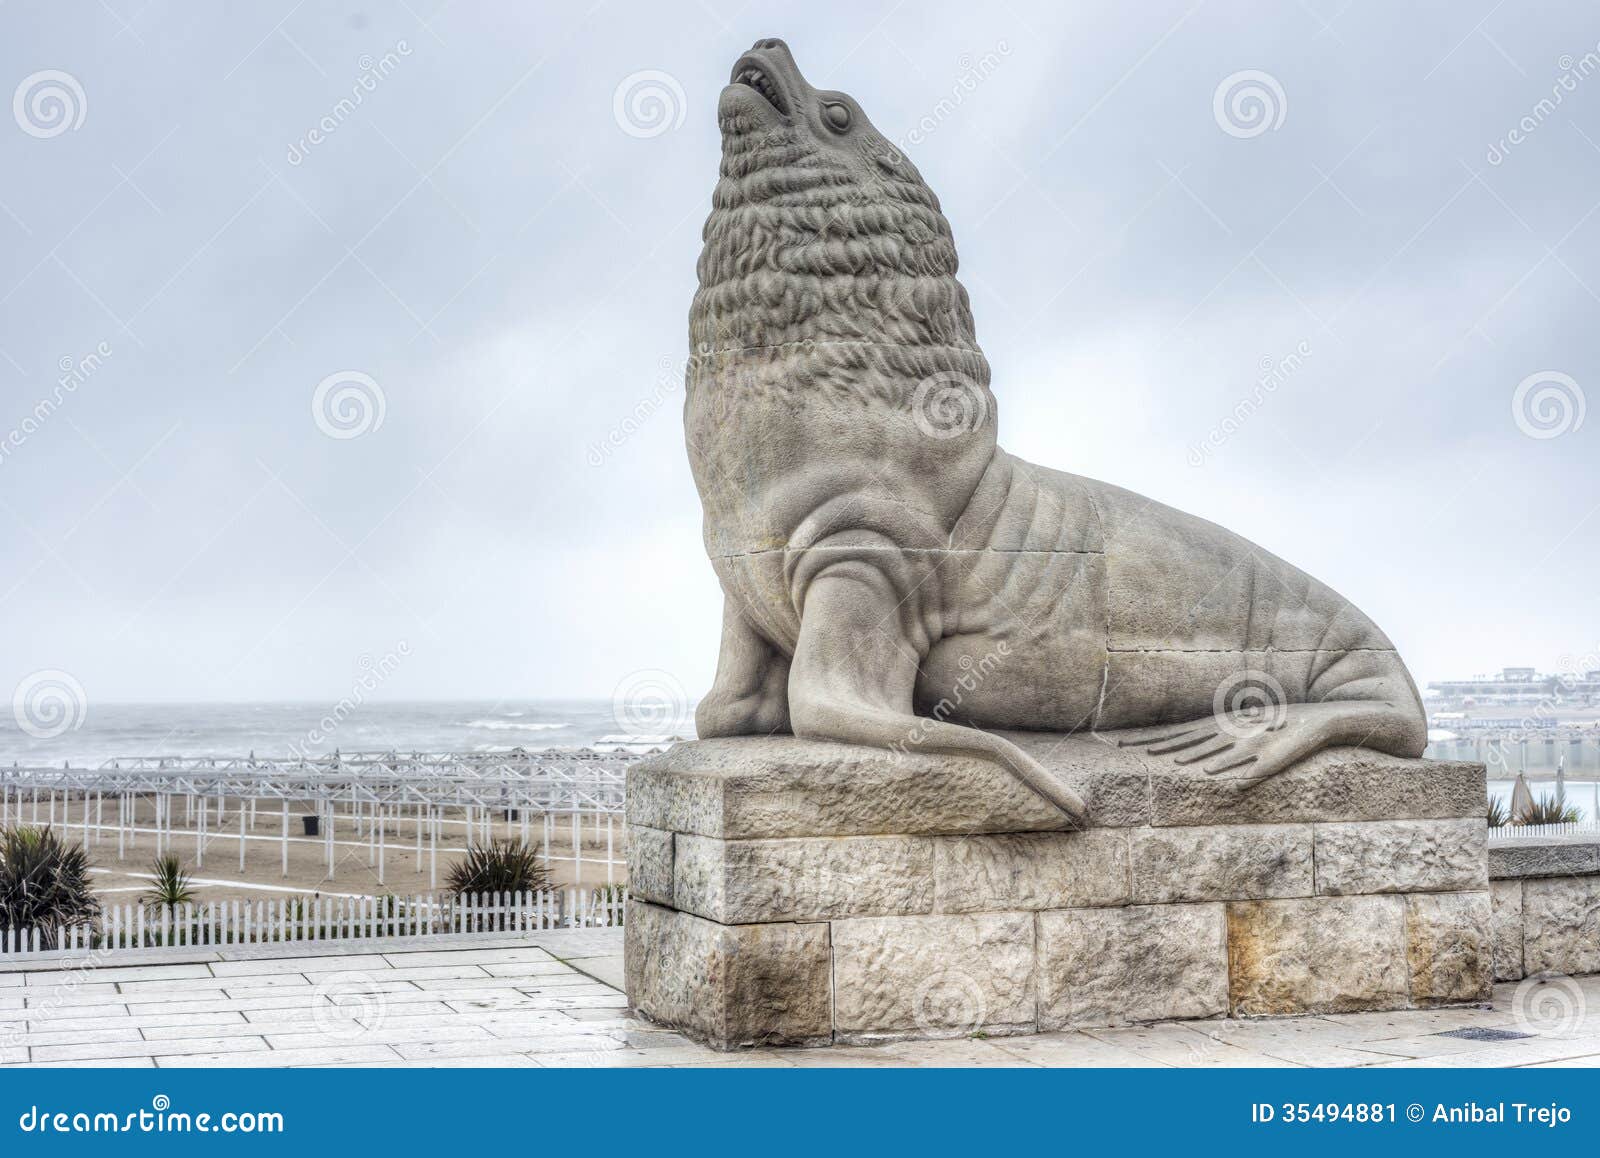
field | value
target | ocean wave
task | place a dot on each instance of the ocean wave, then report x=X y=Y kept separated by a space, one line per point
x=508 y=726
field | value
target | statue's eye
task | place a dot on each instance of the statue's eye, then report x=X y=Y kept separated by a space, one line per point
x=837 y=116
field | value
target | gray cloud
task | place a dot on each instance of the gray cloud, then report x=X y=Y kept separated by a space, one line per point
x=479 y=236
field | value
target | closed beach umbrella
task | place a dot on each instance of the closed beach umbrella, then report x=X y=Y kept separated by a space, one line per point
x=1521 y=799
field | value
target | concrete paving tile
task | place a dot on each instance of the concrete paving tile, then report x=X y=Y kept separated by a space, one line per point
x=138 y=990
x=110 y=974
x=296 y=1013
x=1302 y=1041
x=1074 y=1049
x=471 y=956
x=1526 y=1052
x=533 y=1045
x=563 y=980
x=567 y=943
x=1587 y=1062
x=70 y=987
x=963 y=1052
x=305 y=991
x=114 y=1063
x=371 y=962
x=333 y=1055
x=83 y=1035
x=142 y=1048
x=383 y=1032
x=754 y=1061
x=1182 y=1045
x=509 y=1061
x=607 y=970
x=590 y=1058
x=546 y=968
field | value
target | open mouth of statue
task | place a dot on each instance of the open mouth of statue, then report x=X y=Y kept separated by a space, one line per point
x=752 y=76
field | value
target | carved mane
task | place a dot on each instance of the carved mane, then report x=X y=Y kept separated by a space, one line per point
x=827 y=274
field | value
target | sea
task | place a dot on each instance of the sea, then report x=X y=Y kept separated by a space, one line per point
x=103 y=732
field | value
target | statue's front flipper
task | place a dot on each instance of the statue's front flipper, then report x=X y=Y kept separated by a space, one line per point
x=853 y=674
x=750 y=695
x=1261 y=743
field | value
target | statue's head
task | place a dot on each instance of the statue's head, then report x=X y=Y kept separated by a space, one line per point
x=831 y=347
x=822 y=231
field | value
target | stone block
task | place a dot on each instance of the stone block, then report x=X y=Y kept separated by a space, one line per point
x=1243 y=862
x=1027 y=871
x=650 y=864
x=938 y=976
x=1401 y=856
x=1139 y=963
x=1317 y=955
x=729 y=985
x=802 y=879
x=1561 y=925
x=1549 y=856
x=745 y=788
x=1449 y=947
x=1505 y=929
x=771 y=787
x=1334 y=785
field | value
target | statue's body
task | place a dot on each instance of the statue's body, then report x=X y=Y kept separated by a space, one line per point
x=891 y=576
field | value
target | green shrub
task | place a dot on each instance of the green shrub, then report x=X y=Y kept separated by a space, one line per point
x=44 y=883
x=502 y=866
x=1548 y=810
x=172 y=885
x=1498 y=816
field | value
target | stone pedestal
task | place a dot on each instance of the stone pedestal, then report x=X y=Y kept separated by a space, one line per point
x=794 y=892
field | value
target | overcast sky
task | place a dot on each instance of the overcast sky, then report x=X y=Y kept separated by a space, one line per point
x=506 y=251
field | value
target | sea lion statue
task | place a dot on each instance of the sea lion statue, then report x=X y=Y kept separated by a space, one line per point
x=891 y=576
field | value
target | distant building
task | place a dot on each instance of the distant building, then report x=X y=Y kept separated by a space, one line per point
x=1521 y=685
x=1519 y=699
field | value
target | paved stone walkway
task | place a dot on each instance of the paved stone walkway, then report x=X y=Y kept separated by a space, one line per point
x=554 y=999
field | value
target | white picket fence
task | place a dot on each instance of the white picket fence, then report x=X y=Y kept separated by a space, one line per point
x=1515 y=831
x=127 y=927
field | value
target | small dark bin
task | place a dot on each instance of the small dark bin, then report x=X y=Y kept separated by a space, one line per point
x=313 y=825
x=513 y=815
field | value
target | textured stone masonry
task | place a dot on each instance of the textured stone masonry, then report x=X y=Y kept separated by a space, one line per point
x=1546 y=906
x=803 y=893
